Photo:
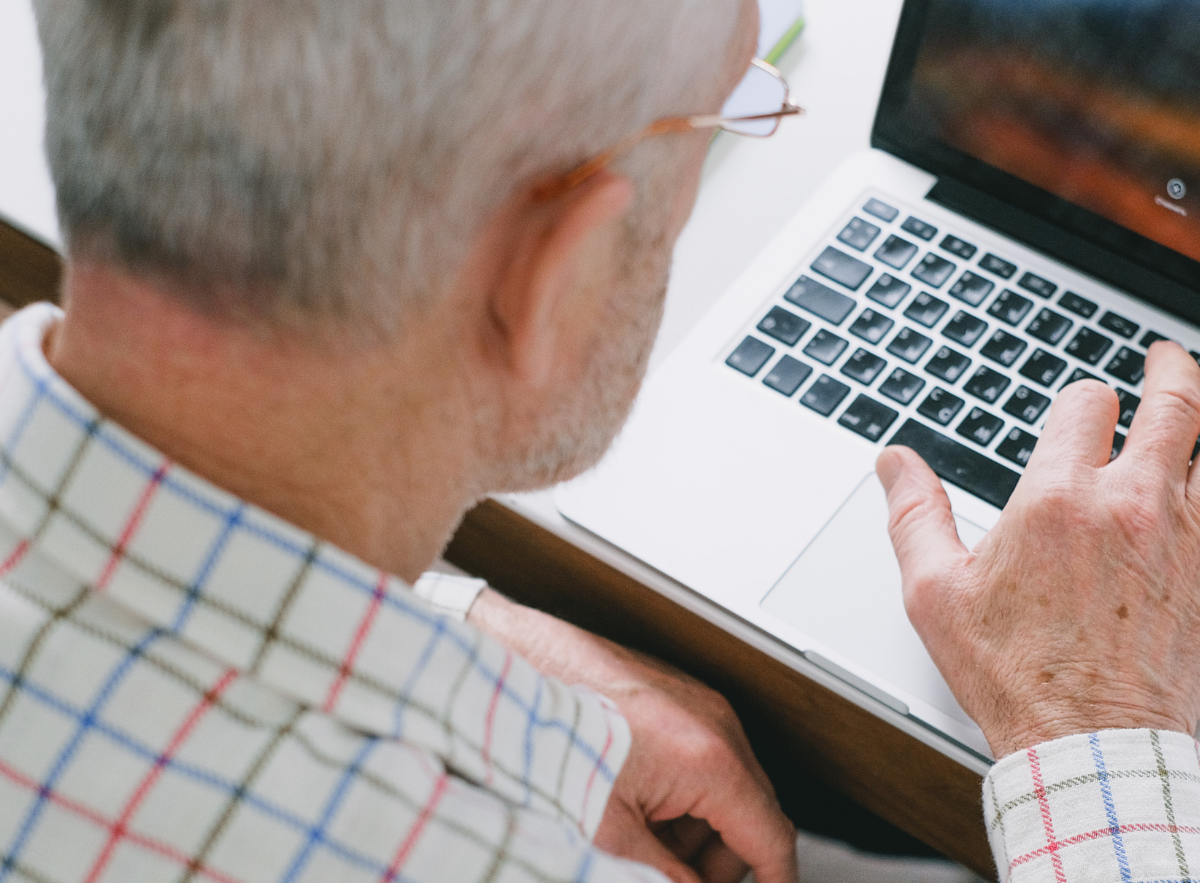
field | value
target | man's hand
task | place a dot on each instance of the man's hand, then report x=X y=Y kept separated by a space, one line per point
x=691 y=800
x=1080 y=610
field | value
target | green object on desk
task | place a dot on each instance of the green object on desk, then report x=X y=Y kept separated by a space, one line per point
x=780 y=49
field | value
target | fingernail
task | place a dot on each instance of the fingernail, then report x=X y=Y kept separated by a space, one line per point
x=889 y=468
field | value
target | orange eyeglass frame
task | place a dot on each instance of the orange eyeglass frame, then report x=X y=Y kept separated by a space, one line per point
x=552 y=190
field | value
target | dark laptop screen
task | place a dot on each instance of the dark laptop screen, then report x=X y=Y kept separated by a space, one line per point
x=1081 y=111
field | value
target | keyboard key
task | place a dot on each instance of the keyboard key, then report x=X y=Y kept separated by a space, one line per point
x=1128 y=366
x=1027 y=405
x=958 y=464
x=917 y=227
x=941 y=406
x=1089 y=346
x=864 y=367
x=1044 y=368
x=889 y=291
x=784 y=326
x=957 y=247
x=1079 y=374
x=825 y=395
x=1049 y=327
x=868 y=418
x=980 y=427
x=859 y=234
x=1078 y=305
x=750 y=356
x=871 y=326
x=1129 y=405
x=787 y=376
x=1039 y=286
x=881 y=210
x=909 y=345
x=965 y=329
x=825 y=347
x=1010 y=308
x=1117 y=446
x=1150 y=338
x=1004 y=348
x=820 y=300
x=999 y=266
x=1119 y=325
x=948 y=365
x=972 y=288
x=902 y=387
x=1017 y=447
x=987 y=384
x=926 y=309
x=934 y=271
x=896 y=252
x=841 y=268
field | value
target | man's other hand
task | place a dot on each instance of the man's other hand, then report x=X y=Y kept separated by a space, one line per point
x=1080 y=610
x=691 y=800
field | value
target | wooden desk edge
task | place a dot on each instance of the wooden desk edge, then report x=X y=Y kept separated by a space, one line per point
x=29 y=270
x=790 y=718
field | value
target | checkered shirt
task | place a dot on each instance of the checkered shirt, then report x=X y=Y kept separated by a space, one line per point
x=192 y=689
x=1115 y=805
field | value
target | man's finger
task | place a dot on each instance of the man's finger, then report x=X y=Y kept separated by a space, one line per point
x=717 y=863
x=686 y=837
x=753 y=826
x=1167 y=423
x=1079 y=430
x=920 y=521
x=642 y=846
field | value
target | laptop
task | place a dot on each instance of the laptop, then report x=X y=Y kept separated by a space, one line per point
x=1028 y=215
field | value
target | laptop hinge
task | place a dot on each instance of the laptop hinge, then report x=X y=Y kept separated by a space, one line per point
x=1067 y=247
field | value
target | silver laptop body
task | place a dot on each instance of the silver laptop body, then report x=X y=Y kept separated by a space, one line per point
x=1028 y=216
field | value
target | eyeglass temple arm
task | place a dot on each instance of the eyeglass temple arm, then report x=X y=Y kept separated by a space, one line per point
x=717 y=122
x=567 y=183
x=670 y=126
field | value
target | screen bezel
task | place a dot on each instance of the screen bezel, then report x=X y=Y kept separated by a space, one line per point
x=893 y=132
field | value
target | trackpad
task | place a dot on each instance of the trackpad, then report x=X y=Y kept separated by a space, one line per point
x=844 y=591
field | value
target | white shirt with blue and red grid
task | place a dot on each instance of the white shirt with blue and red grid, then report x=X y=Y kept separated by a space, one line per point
x=192 y=689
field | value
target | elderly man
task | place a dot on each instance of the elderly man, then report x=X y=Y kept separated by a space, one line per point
x=331 y=279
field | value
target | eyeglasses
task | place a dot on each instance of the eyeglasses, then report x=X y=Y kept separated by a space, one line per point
x=755 y=109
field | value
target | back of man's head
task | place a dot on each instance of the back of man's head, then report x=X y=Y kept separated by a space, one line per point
x=319 y=158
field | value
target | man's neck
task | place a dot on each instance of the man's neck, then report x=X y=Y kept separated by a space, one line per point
x=319 y=434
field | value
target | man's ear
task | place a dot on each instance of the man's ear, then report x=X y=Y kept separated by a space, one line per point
x=553 y=253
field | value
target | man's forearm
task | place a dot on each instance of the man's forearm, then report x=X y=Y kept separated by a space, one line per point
x=554 y=647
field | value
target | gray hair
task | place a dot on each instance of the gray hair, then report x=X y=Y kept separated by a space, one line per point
x=336 y=157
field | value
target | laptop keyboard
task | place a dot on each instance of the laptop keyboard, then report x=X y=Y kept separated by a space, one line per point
x=904 y=333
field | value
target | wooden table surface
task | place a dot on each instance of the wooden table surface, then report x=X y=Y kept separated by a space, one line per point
x=800 y=730
x=29 y=271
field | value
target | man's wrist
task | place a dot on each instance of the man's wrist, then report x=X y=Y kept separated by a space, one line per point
x=1038 y=729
